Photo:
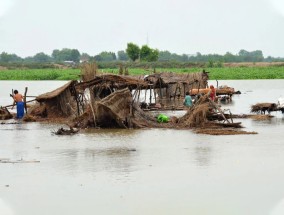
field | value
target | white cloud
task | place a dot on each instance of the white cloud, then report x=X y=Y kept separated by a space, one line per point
x=279 y=6
x=278 y=209
x=5 y=6
x=5 y=209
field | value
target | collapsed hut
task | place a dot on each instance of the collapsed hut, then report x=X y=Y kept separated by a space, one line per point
x=113 y=101
x=158 y=89
x=172 y=87
x=60 y=102
x=175 y=85
x=119 y=110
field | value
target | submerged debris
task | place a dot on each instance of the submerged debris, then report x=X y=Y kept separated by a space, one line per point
x=263 y=107
x=7 y=160
x=261 y=117
x=29 y=118
x=221 y=131
x=5 y=114
x=62 y=131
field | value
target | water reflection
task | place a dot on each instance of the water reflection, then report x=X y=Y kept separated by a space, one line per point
x=114 y=133
x=202 y=155
x=117 y=159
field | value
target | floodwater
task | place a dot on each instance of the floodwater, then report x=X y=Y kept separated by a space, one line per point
x=149 y=171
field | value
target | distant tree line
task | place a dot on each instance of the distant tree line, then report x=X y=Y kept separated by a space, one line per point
x=134 y=53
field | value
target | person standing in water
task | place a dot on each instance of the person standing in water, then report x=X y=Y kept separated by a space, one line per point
x=18 y=100
x=212 y=93
x=187 y=100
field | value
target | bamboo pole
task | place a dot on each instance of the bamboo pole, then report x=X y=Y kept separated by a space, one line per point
x=150 y=95
x=25 y=100
x=14 y=105
x=219 y=109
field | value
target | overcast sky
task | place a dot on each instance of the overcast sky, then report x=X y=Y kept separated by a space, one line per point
x=28 y=27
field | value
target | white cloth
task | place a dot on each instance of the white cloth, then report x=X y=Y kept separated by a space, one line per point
x=280 y=102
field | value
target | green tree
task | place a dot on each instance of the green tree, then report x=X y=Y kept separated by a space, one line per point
x=229 y=57
x=149 y=55
x=122 y=56
x=145 y=52
x=105 y=56
x=164 y=56
x=55 y=55
x=66 y=55
x=41 y=58
x=154 y=55
x=184 y=58
x=133 y=51
x=6 y=58
x=75 y=55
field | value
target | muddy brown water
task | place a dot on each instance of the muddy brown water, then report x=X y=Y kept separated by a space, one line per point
x=147 y=171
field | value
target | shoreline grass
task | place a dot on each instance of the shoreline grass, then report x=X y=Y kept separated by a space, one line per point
x=40 y=74
x=224 y=73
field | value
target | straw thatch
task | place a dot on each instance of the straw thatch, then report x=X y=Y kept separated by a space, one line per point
x=112 y=82
x=118 y=110
x=222 y=131
x=54 y=93
x=197 y=115
x=261 y=117
x=177 y=84
x=263 y=107
x=57 y=103
x=114 y=110
x=89 y=71
x=5 y=114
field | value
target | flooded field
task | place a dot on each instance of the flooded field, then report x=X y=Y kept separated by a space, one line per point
x=147 y=171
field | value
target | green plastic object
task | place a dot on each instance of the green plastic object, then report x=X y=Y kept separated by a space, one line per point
x=162 y=118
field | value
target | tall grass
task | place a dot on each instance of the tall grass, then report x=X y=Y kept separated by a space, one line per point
x=225 y=73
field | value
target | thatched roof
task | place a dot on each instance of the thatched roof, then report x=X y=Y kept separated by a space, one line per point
x=54 y=93
x=167 y=78
x=114 y=108
x=171 y=78
x=117 y=81
x=157 y=80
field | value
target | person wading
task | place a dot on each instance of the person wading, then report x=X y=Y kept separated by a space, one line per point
x=212 y=93
x=18 y=100
x=187 y=100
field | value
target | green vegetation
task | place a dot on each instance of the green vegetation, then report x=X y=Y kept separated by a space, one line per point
x=241 y=73
x=224 y=73
x=136 y=54
x=40 y=74
x=133 y=51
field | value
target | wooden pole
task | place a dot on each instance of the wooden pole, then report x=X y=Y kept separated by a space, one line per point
x=25 y=100
x=150 y=94
x=155 y=96
x=13 y=105
x=146 y=93
x=220 y=111
x=160 y=85
x=139 y=93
